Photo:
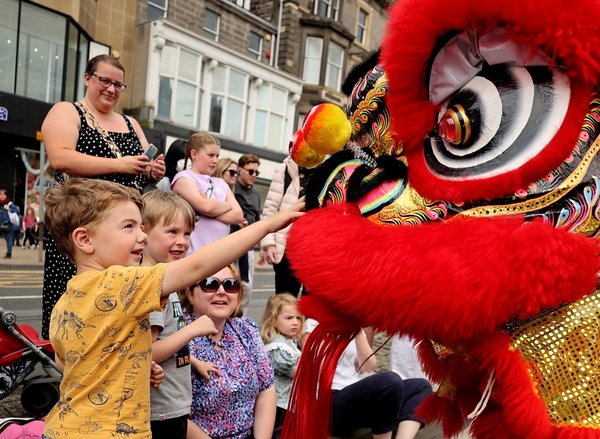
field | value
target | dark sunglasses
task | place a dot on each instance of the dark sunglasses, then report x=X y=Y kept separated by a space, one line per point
x=107 y=82
x=252 y=171
x=232 y=173
x=212 y=284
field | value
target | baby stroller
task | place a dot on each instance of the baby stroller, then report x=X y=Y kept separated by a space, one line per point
x=20 y=351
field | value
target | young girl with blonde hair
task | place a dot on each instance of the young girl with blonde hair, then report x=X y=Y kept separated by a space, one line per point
x=281 y=329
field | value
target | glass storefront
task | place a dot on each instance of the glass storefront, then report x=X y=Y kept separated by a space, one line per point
x=42 y=53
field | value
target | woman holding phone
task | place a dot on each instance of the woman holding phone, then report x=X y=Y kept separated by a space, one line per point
x=89 y=139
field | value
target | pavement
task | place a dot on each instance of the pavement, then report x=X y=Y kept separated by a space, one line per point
x=23 y=259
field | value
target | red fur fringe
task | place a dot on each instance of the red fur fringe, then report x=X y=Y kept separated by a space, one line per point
x=311 y=396
x=451 y=282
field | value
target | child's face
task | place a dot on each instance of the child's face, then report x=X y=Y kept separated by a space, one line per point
x=168 y=242
x=118 y=239
x=288 y=321
x=219 y=305
x=206 y=158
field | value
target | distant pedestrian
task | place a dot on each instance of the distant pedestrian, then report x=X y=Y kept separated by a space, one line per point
x=249 y=200
x=5 y=228
x=30 y=224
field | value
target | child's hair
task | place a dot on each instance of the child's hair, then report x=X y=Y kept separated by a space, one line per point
x=198 y=141
x=187 y=306
x=29 y=210
x=162 y=208
x=81 y=202
x=268 y=328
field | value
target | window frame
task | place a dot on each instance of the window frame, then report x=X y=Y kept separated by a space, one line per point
x=305 y=57
x=256 y=54
x=364 y=27
x=155 y=6
x=340 y=67
x=206 y=30
x=242 y=3
x=269 y=110
x=226 y=97
x=333 y=8
x=176 y=79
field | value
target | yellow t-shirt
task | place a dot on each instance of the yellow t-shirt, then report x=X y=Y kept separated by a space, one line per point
x=100 y=331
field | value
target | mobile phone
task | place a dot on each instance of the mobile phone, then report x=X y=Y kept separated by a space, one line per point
x=151 y=151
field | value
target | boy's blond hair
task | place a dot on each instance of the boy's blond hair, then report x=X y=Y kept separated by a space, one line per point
x=187 y=305
x=163 y=207
x=82 y=202
x=275 y=304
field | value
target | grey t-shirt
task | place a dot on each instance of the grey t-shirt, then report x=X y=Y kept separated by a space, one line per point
x=174 y=396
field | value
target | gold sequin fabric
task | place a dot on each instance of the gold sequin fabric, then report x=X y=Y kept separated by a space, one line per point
x=563 y=358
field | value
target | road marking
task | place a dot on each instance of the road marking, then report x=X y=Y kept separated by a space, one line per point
x=20 y=297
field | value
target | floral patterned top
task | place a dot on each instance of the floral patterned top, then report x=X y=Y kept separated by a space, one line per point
x=224 y=406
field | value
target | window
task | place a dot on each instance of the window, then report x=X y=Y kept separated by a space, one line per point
x=327 y=8
x=180 y=91
x=242 y=3
x=157 y=9
x=47 y=66
x=41 y=54
x=227 y=101
x=210 y=26
x=271 y=103
x=255 y=45
x=361 y=26
x=335 y=60
x=9 y=20
x=312 y=60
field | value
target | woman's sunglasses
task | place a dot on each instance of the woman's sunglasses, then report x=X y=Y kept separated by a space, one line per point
x=232 y=173
x=212 y=284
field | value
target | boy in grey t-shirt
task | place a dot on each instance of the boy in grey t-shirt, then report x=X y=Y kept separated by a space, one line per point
x=168 y=221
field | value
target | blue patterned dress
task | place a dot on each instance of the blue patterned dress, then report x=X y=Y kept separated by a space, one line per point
x=224 y=406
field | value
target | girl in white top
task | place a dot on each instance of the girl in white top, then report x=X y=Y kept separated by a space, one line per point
x=380 y=401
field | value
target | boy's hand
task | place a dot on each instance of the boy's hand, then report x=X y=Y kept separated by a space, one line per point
x=204 y=368
x=287 y=216
x=157 y=375
x=203 y=326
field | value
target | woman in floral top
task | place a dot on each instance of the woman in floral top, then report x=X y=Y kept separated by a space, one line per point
x=233 y=391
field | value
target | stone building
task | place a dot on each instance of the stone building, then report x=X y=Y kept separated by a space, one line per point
x=246 y=70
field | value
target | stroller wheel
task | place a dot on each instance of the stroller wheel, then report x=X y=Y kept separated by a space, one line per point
x=39 y=397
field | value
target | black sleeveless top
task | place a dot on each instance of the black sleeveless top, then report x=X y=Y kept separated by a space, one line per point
x=91 y=142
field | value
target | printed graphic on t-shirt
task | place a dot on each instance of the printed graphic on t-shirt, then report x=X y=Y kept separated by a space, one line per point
x=182 y=357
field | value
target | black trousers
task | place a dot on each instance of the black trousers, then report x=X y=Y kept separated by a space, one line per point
x=285 y=281
x=378 y=402
x=175 y=428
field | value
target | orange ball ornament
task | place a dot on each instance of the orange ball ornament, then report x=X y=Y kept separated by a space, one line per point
x=302 y=153
x=326 y=128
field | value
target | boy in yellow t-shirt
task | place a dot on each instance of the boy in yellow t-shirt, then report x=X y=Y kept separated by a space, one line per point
x=99 y=327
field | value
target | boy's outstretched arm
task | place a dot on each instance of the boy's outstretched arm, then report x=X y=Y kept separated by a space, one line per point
x=167 y=347
x=216 y=255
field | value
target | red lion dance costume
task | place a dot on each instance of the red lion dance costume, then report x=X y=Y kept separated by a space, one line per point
x=470 y=221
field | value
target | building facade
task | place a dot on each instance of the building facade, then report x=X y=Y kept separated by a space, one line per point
x=245 y=70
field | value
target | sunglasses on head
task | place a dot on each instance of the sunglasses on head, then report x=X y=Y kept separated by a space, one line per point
x=212 y=284
x=252 y=171
x=232 y=173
